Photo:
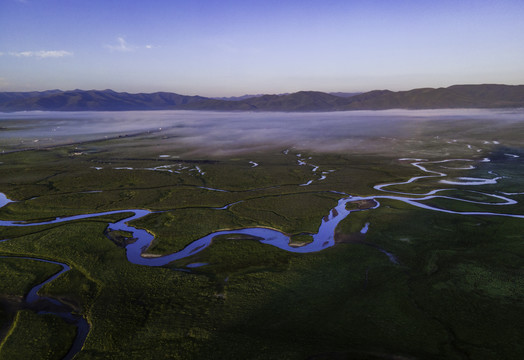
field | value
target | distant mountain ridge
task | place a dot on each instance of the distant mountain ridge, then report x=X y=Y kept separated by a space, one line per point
x=95 y=100
x=456 y=96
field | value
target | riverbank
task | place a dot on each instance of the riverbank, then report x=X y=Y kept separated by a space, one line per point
x=453 y=288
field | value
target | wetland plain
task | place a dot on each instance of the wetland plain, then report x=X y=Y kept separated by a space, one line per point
x=214 y=235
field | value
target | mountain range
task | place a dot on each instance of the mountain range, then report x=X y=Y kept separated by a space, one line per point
x=457 y=96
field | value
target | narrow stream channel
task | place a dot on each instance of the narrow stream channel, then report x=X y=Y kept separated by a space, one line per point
x=63 y=310
x=323 y=239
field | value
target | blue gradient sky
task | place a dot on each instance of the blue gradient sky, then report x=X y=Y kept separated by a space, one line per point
x=233 y=47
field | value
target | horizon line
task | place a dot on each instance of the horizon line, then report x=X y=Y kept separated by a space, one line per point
x=261 y=94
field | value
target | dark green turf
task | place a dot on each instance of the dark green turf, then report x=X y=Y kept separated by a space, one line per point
x=457 y=292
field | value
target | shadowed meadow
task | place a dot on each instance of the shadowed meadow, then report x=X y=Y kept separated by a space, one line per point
x=424 y=261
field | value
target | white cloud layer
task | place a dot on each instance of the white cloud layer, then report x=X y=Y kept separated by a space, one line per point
x=122 y=45
x=42 y=54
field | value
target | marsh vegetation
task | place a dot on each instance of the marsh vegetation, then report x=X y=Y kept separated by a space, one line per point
x=455 y=288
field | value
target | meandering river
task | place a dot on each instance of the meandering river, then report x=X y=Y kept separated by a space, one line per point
x=63 y=310
x=324 y=238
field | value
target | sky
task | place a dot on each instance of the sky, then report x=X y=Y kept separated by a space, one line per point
x=237 y=47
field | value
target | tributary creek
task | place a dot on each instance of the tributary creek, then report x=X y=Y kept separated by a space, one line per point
x=324 y=238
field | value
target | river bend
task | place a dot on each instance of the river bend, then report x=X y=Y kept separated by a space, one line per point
x=323 y=239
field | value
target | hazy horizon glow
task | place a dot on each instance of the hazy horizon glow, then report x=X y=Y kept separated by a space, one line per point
x=233 y=47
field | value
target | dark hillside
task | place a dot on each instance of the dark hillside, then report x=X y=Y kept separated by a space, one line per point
x=457 y=96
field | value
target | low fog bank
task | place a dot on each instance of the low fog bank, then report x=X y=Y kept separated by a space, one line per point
x=221 y=133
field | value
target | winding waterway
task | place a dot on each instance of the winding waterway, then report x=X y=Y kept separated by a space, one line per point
x=62 y=309
x=324 y=238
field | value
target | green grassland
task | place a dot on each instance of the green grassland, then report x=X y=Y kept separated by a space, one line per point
x=24 y=333
x=456 y=293
x=37 y=336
